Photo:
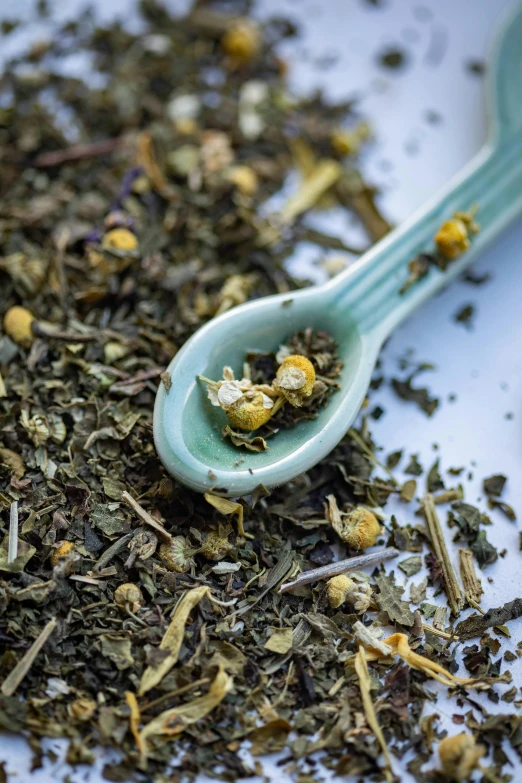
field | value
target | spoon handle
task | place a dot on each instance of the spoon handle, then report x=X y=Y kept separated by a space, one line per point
x=370 y=290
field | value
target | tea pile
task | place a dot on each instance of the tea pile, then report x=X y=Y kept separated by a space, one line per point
x=135 y=614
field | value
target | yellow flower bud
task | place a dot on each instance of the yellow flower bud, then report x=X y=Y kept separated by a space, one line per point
x=129 y=595
x=295 y=379
x=341 y=589
x=337 y=588
x=120 y=239
x=62 y=549
x=244 y=178
x=17 y=326
x=249 y=411
x=242 y=41
x=452 y=238
x=361 y=528
x=459 y=756
x=215 y=546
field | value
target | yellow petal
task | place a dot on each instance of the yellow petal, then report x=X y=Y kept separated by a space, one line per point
x=172 y=639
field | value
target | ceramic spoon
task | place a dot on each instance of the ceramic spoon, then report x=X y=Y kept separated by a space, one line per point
x=359 y=308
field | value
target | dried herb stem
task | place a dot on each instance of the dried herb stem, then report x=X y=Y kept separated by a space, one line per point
x=449 y=496
x=438 y=632
x=354 y=435
x=171 y=694
x=12 y=552
x=76 y=152
x=341 y=567
x=15 y=677
x=146 y=517
x=472 y=588
x=453 y=591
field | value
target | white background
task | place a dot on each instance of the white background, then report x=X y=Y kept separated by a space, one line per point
x=482 y=366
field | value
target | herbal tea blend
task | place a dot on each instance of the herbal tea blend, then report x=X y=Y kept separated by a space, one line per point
x=135 y=615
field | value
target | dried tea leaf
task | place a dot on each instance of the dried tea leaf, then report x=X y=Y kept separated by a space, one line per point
x=494 y=485
x=420 y=395
x=172 y=640
x=418 y=592
x=393 y=459
x=389 y=600
x=117 y=649
x=229 y=657
x=175 y=721
x=408 y=490
x=13 y=461
x=411 y=566
x=228 y=507
x=467 y=517
x=280 y=641
x=257 y=443
x=483 y=550
x=477 y=624
x=414 y=468
x=434 y=480
x=38 y=592
x=24 y=553
x=506 y=509
x=325 y=626
x=270 y=738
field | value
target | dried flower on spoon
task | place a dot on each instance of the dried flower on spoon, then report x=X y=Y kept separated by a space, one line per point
x=302 y=373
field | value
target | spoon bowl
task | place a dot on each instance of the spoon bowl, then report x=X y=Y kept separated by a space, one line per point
x=359 y=308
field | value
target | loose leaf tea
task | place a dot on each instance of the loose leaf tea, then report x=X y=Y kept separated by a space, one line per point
x=135 y=614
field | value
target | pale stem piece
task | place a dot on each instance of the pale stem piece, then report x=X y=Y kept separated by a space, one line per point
x=12 y=551
x=453 y=591
x=341 y=567
x=15 y=677
x=472 y=587
x=146 y=517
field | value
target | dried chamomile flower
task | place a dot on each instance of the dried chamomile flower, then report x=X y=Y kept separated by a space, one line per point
x=17 y=326
x=216 y=545
x=248 y=406
x=341 y=589
x=177 y=556
x=120 y=240
x=242 y=41
x=42 y=427
x=453 y=237
x=459 y=756
x=129 y=596
x=61 y=550
x=360 y=528
x=251 y=411
x=295 y=379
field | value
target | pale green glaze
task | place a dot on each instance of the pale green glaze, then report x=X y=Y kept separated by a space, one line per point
x=360 y=308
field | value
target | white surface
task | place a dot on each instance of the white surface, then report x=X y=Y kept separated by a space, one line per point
x=482 y=366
